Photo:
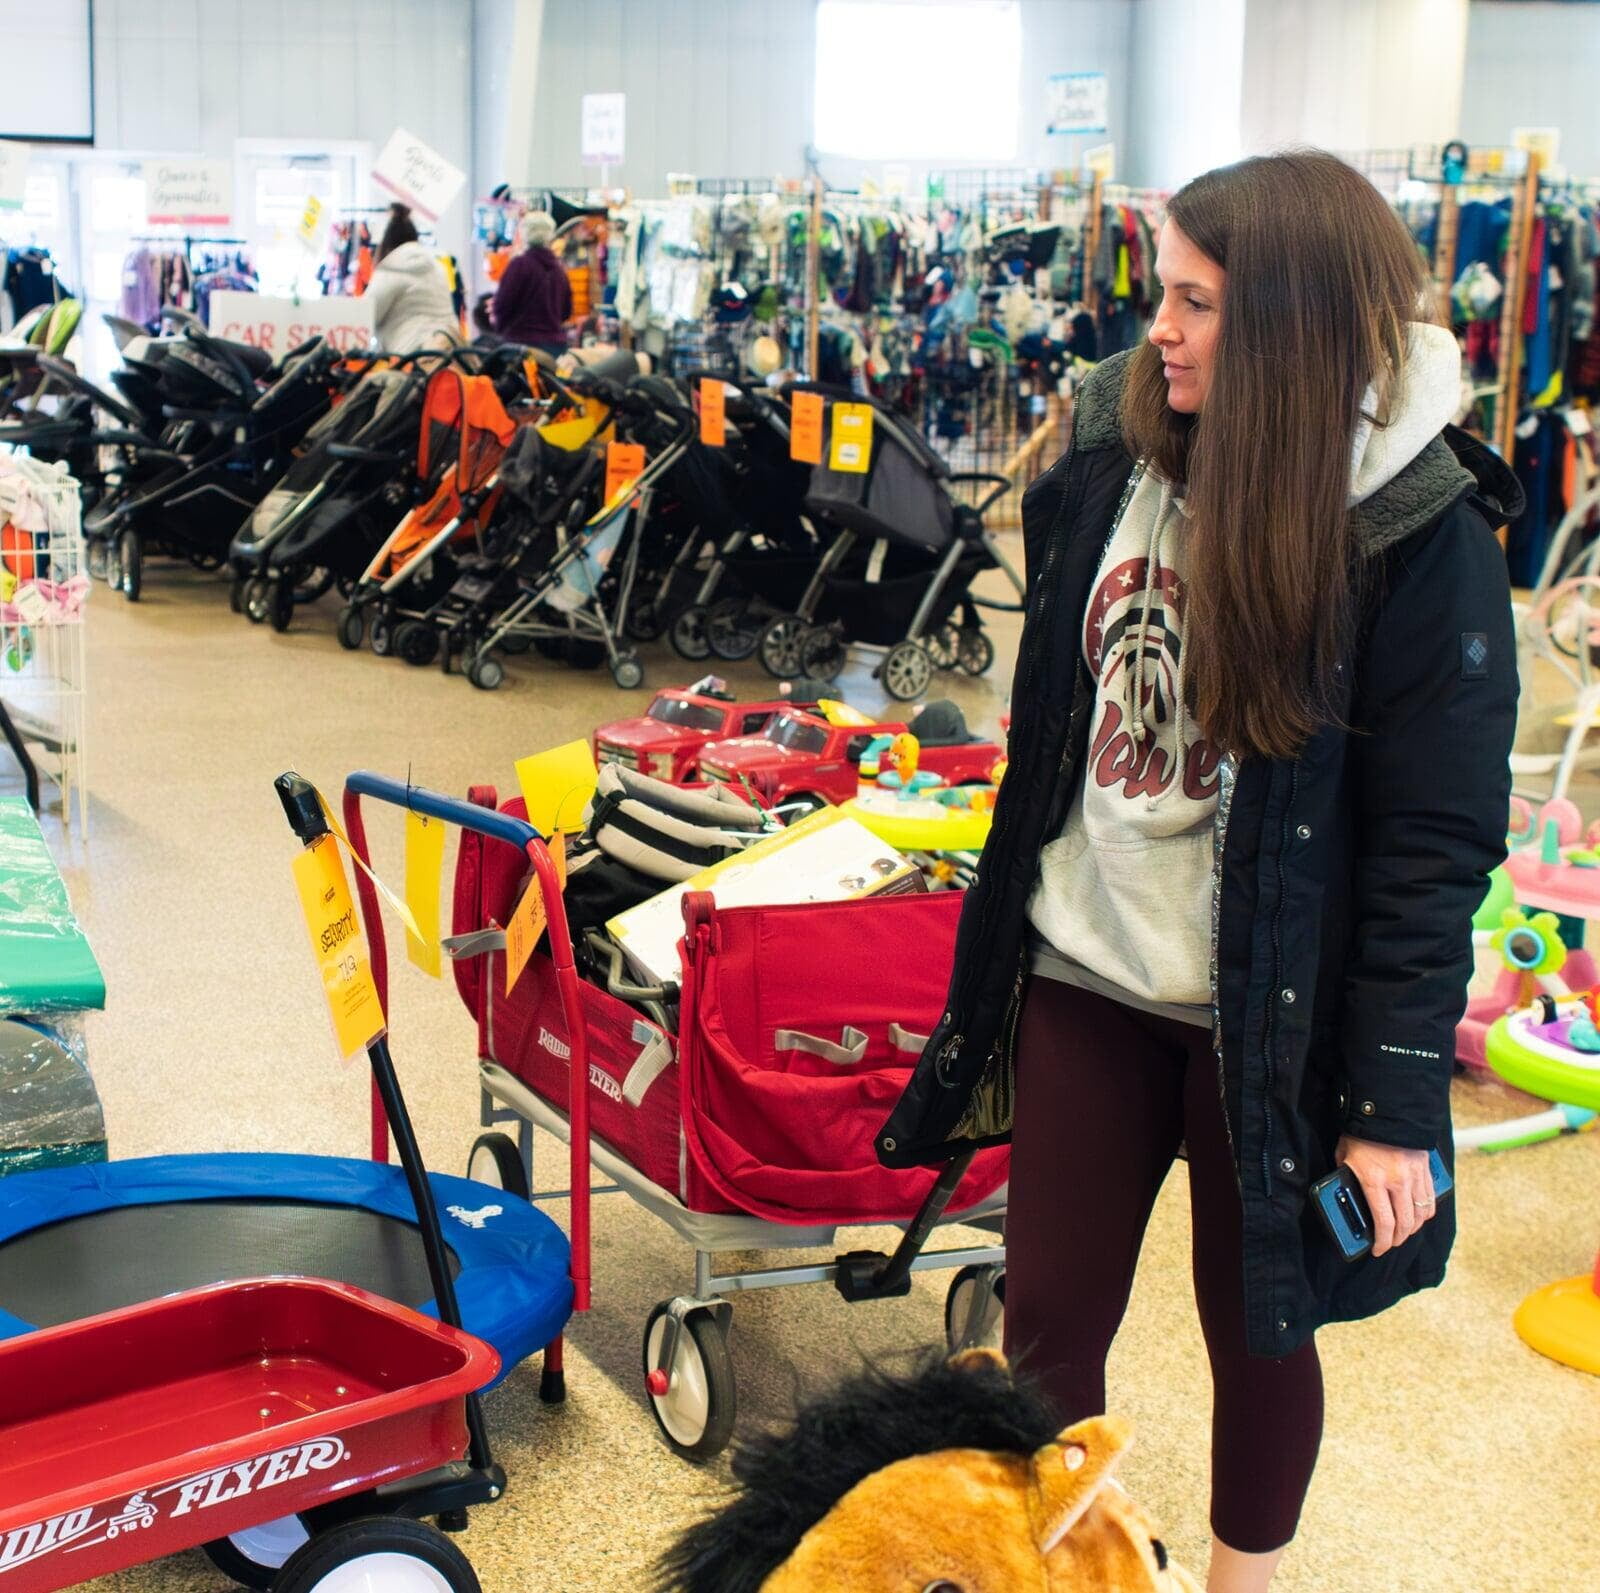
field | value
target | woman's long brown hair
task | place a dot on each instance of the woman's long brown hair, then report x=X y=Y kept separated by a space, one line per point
x=1322 y=279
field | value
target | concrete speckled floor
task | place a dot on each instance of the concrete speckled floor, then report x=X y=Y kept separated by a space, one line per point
x=1455 y=1459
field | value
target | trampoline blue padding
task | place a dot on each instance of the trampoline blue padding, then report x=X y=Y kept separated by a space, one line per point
x=75 y=1241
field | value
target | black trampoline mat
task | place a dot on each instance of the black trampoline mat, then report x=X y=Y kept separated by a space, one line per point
x=104 y=1260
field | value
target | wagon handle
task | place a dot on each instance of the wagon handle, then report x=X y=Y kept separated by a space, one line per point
x=522 y=835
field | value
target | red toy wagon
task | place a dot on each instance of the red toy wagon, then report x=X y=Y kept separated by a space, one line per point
x=185 y=1421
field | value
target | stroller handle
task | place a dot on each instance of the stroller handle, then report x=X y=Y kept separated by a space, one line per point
x=522 y=835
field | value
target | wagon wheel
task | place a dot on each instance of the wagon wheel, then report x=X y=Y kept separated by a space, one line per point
x=694 y=1402
x=960 y=1332
x=496 y=1161
x=387 y=1552
x=254 y=1557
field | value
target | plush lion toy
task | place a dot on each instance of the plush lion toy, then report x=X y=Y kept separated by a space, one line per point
x=951 y=1480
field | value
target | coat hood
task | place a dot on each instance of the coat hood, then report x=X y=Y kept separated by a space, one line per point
x=413 y=259
x=1404 y=476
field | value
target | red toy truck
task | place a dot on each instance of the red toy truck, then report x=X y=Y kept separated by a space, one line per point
x=803 y=759
x=665 y=741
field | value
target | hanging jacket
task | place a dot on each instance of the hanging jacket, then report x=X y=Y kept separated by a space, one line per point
x=411 y=306
x=1343 y=881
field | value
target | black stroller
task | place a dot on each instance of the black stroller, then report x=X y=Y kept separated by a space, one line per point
x=225 y=440
x=340 y=497
x=768 y=552
x=905 y=553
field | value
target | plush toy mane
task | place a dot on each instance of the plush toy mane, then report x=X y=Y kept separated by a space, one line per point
x=786 y=1480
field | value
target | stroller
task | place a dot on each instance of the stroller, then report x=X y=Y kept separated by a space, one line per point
x=558 y=581
x=905 y=553
x=769 y=552
x=323 y=520
x=225 y=441
x=741 y=1109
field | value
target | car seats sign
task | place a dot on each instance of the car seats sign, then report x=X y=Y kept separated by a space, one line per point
x=416 y=175
x=188 y=193
x=278 y=325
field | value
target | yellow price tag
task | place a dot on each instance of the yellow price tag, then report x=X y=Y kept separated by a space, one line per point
x=424 y=859
x=529 y=920
x=8 y=585
x=310 y=221
x=401 y=911
x=851 y=447
x=557 y=785
x=340 y=947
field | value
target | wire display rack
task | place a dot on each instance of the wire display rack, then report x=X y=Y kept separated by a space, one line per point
x=43 y=657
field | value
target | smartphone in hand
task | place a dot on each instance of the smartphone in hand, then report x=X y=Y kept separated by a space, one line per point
x=1342 y=1205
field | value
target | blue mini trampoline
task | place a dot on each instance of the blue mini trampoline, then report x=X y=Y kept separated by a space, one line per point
x=76 y=1241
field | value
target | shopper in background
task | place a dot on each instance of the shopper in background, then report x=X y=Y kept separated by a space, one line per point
x=534 y=300
x=1258 y=778
x=411 y=305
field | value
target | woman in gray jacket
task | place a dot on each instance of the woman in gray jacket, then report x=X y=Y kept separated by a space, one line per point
x=411 y=307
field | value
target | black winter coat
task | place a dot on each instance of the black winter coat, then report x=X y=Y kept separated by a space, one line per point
x=1344 y=883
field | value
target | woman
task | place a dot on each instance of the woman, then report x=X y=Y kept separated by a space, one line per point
x=411 y=305
x=534 y=300
x=1259 y=774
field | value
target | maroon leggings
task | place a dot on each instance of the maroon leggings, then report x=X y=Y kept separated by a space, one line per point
x=1105 y=1096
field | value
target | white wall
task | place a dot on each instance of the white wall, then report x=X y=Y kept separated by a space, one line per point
x=1185 y=66
x=1535 y=65
x=190 y=76
x=723 y=88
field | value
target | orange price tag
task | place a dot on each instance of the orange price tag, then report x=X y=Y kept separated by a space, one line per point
x=805 y=428
x=713 y=413
x=528 y=921
x=624 y=466
x=339 y=946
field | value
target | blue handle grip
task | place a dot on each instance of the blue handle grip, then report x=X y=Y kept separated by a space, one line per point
x=452 y=810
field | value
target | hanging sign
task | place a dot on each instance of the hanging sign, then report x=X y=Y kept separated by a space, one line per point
x=13 y=173
x=557 y=785
x=603 y=134
x=424 y=859
x=188 y=193
x=311 y=224
x=851 y=449
x=278 y=325
x=1545 y=142
x=1076 y=102
x=713 y=412
x=805 y=428
x=416 y=175
x=1100 y=160
x=624 y=466
x=339 y=946
x=529 y=920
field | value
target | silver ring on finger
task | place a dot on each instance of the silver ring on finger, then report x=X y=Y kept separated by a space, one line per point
x=1423 y=1205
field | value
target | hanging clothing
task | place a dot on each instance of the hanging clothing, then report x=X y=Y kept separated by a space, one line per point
x=30 y=280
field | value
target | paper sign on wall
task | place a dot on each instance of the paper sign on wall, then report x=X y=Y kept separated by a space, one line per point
x=851 y=449
x=602 y=136
x=278 y=325
x=713 y=412
x=1100 y=160
x=1076 y=102
x=339 y=946
x=13 y=173
x=624 y=466
x=188 y=193
x=416 y=175
x=529 y=920
x=1545 y=142
x=424 y=858
x=805 y=428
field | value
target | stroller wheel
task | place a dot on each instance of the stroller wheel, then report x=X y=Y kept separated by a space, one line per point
x=98 y=557
x=496 y=1161
x=779 y=646
x=417 y=642
x=906 y=671
x=944 y=646
x=486 y=672
x=628 y=672
x=688 y=634
x=236 y=594
x=351 y=628
x=976 y=653
x=644 y=621
x=206 y=562
x=823 y=653
x=316 y=582
x=732 y=632
x=130 y=564
x=381 y=637
x=961 y=1332
x=693 y=1399
x=257 y=599
x=280 y=604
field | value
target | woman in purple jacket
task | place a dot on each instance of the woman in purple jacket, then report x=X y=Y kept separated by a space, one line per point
x=534 y=300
